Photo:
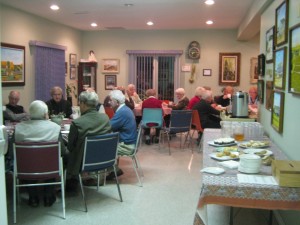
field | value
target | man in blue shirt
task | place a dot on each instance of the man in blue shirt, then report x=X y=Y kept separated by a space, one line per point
x=123 y=122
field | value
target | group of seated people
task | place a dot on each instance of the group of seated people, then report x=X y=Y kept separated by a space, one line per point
x=38 y=127
x=35 y=125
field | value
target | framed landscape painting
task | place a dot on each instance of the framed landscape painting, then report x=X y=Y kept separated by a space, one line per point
x=229 y=68
x=270 y=45
x=260 y=90
x=294 y=69
x=277 y=111
x=110 y=66
x=253 y=71
x=281 y=23
x=279 y=68
x=269 y=95
x=12 y=65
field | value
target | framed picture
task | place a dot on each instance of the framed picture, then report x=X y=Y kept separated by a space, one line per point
x=72 y=73
x=269 y=95
x=110 y=82
x=294 y=64
x=12 y=65
x=281 y=23
x=206 y=72
x=110 y=66
x=73 y=60
x=261 y=65
x=279 y=68
x=270 y=45
x=253 y=71
x=229 y=68
x=260 y=90
x=277 y=111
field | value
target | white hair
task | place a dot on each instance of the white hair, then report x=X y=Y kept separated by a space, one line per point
x=118 y=96
x=180 y=91
x=88 y=97
x=206 y=94
x=37 y=110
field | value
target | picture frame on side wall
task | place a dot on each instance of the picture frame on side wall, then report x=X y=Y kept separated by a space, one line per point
x=12 y=65
x=110 y=66
x=229 y=68
x=281 y=23
x=110 y=82
x=269 y=95
x=270 y=47
x=260 y=90
x=253 y=70
x=261 y=61
x=294 y=59
x=279 y=68
x=277 y=111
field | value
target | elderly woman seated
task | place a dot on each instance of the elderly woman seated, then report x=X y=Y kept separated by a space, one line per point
x=253 y=99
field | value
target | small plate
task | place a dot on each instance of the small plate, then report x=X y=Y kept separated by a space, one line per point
x=212 y=143
x=225 y=157
x=228 y=148
x=254 y=144
x=256 y=151
x=213 y=170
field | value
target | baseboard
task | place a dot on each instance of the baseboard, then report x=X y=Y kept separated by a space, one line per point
x=278 y=218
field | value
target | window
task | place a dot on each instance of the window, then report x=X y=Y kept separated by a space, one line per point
x=155 y=69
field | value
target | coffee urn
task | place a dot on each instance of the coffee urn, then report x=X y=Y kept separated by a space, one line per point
x=240 y=104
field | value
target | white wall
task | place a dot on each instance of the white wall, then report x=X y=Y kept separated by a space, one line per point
x=113 y=44
x=19 y=28
x=289 y=140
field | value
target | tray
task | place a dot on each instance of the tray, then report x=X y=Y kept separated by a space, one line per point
x=257 y=150
x=254 y=144
x=212 y=143
x=225 y=157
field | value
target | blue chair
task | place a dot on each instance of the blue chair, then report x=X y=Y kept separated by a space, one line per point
x=152 y=118
x=100 y=153
x=135 y=162
x=37 y=161
x=180 y=121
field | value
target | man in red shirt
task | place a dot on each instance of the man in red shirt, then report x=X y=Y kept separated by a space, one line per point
x=151 y=102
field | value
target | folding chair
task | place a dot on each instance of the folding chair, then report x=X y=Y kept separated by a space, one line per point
x=135 y=162
x=100 y=153
x=196 y=125
x=180 y=121
x=152 y=118
x=37 y=161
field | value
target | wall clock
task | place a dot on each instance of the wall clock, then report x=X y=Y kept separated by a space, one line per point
x=194 y=50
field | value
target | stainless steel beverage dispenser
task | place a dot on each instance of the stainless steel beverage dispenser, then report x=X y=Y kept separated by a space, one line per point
x=240 y=104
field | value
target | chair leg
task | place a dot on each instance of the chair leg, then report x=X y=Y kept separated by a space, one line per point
x=82 y=193
x=15 y=199
x=118 y=186
x=136 y=167
x=168 y=136
x=62 y=186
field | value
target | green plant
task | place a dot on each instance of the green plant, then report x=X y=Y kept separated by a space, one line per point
x=71 y=89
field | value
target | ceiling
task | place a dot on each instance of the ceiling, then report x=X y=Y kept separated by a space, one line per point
x=113 y=14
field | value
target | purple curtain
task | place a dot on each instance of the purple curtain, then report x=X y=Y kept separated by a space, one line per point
x=49 y=69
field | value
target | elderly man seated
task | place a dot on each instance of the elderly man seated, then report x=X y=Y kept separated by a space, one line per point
x=13 y=111
x=39 y=128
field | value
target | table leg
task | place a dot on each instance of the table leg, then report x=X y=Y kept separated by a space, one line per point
x=231 y=216
x=271 y=217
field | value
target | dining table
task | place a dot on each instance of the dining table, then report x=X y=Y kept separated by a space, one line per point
x=220 y=193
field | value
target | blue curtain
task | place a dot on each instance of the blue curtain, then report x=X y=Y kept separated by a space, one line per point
x=49 y=70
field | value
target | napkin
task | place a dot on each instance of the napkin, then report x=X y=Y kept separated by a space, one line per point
x=231 y=164
x=213 y=170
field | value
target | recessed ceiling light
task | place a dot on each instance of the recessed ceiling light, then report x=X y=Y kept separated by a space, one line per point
x=94 y=24
x=209 y=22
x=209 y=2
x=54 y=7
x=150 y=23
x=128 y=5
